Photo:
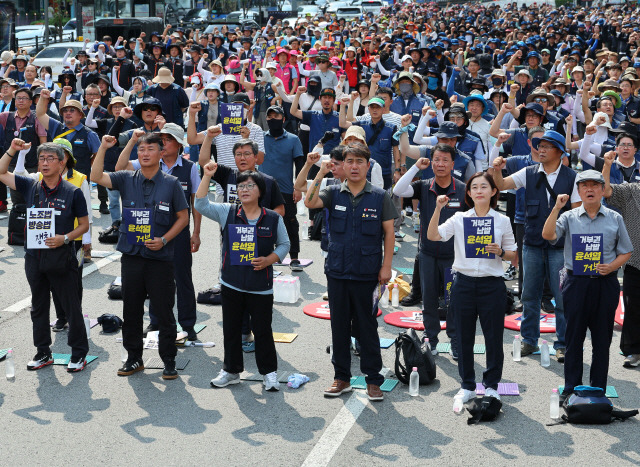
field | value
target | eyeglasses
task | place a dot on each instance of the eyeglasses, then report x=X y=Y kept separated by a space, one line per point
x=243 y=155
x=92 y=94
x=23 y=98
x=545 y=147
x=626 y=145
x=5 y=86
x=246 y=186
x=48 y=159
x=540 y=100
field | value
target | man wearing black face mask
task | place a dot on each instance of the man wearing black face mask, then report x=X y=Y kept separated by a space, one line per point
x=282 y=151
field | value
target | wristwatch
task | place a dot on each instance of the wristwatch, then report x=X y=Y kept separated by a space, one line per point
x=66 y=240
x=164 y=241
x=502 y=254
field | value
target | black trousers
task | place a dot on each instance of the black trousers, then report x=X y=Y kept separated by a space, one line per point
x=630 y=338
x=103 y=195
x=292 y=225
x=234 y=305
x=484 y=298
x=416 y=288
x=182 y=262
x=589 y=304
x=352 y=301
x=432 y=284
x=65 y=284
x=3 y=192
x=61 y=313
x=141 y=276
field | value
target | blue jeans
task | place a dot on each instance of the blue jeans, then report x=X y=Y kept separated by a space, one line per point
x=114 y=205
x=539 y=263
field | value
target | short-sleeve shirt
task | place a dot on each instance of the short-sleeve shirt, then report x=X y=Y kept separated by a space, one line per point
x=221 y=177
x=278 y=158
x=389 y=210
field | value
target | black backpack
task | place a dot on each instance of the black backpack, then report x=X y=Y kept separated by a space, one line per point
x=17 y=224
x=589 y=405
x=410 y=352
x=111 y=234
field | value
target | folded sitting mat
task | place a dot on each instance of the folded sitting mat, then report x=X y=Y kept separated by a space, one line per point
x=284 y=337
x=283 y=376
x=610 y=392
x=359 y=382
x=154 y=363
x=504 y=389
x=65 y=358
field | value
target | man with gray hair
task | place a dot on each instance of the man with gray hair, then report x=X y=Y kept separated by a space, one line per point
x=50 y=260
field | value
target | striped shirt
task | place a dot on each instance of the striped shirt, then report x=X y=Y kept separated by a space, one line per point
x=224 y=144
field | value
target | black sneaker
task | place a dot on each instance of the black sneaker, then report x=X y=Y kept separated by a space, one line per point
x=104 y=209
x=40 y=361
x=295 y=265
x=131 y=366
x=411 y=300
x=151 y=328
x=169 y=371
x=191 y=333
x=59 y=325
x=547 y=306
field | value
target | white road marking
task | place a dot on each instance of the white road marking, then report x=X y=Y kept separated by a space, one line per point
x=89 y=269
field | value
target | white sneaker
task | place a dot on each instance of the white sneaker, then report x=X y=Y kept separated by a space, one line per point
x=632 y=361
x=463 y=396
x=271 y=382
x=76 y=365
x=225 y=379
x=490 y=392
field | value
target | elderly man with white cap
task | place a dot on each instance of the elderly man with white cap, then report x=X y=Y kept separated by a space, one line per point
x=172 y=163
x=173 y=98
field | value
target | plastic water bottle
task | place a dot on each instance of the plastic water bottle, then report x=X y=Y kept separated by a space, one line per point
x=9 y=365
x=305 y=230
x=458 y=405
x=516 y=349
x=395 y=296
x=296 y=380
x=554 y=405
x=545 y=360
x=124 y=355
x=384 y=300
x=427 y=344
x=87 y=325
x=414 y=383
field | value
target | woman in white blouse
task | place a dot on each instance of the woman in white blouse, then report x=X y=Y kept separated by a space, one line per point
x=478 y=289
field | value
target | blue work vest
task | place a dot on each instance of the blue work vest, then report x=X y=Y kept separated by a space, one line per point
x=183 y=174
x=414 y=107
x=161 y=204
x=520 y=146
x=355 y=235
x=460 y=164
x=80 y=143
x=617 y=178
x=245 y=277
x=381 y=148
x=27 y=133
x=514 y=164
x=469 y=144
x=428 y=196
x=538 y=207
x=324 y=240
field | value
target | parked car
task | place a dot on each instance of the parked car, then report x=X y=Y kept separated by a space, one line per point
x=333 y=6
x=239 y=16
x=370 y=6
x=219 y=22
x=29 y=37
x=349 y=12
x=196 y=18
x=305 y=10
x=52 y=56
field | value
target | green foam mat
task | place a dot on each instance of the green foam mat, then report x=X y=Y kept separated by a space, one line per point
x=445 y=347
x=283 y=376
x=196 y=327
x=384 y=342
x=358 y=382
x=95 y=207
x=3 y=353
x=408 y=271
x=64 y=358
x=610 y=392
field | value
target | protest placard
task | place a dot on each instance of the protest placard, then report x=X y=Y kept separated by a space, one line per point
x=139 y=225
x=41 y=224
x=478 y=233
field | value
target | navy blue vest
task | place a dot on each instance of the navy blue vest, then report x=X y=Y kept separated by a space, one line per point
x=27 y=133
x=244 y=277
x=617 y=177
x=183 y=174
x=79 y=142
x=428 y=198
x=469 y=144
x=381 y=148
x=460 y=164
x=161 y=204
x=538 y=207
x=231 y=190
x=324 y=239
x=355 y=236
x=113 y=153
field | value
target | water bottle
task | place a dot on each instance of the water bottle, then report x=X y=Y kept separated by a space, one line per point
x=124 y=355
x=414 y=383
x=458 y=405
x=87 y=325
x=395 y=296
x=427 y=344
x=384 y=300
x=305 y=230
x=545 y=361
x=9 y=365
x=516 y=349
x=554 y=405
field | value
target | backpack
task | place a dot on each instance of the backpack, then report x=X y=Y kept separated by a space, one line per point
x=410 y=352
x=111 y=234
x=209 y=297
x=590 y=405
x=115 y=289
x=317 y=227
x=483 y=409
x=110 y=323
x=17 y=224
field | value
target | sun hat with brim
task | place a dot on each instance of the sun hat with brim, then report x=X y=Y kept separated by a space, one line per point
x=137 y=110
x=476 y=97
x=72 y=103
x=271 y=65
x=540 y=92
x=116 y=100
x=10 y=82
x=537 y=108
x=164 y=76
x=230 y=79
x=357 y=132
x=406 y=75
x=104 y=78
x=457 y=108
x=448 y=130
x=606 y=123
x=6 y=56
x=20 y=57
x=617 y=102
x=552 y=137
x=176 y=131
x=557 y=94
x=590 y=176
x=375 y=101
x=524 y=72
x=215 y=62
x=498 y=72
x=577 y=68
x=213 y=86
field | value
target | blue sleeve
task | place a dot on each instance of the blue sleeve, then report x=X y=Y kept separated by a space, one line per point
x=283 y=244
x=117 y=179
x=217 y=212
x=53 y=127
x=595 y=45
x=79 y=204
x=24 y=185
x=297 y=148
x=451 y=84
x=93 y=141
x=306 y=117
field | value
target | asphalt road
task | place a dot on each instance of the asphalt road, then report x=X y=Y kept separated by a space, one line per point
x=52 y=417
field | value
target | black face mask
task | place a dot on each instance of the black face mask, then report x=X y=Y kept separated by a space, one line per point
x=275 y=127
x=314 y=90
x=497 y=82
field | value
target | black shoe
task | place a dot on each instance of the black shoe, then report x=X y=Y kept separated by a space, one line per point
x=131 y=366
x=40 y=361
x=151 y=328
x=104 y=209
x=59 y=325
x=191 y=333
x=295 y=265
x=411 y=300
x=169 y=371
x=310 y=232
x=547 y=306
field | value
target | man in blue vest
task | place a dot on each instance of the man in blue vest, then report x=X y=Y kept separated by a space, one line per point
x=185 y=244
x=530 y=116
x=540 y=259
x=147 y=265
x=172 y=97
x=359 y=220
x=319 y=122
x=85 y=141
